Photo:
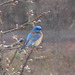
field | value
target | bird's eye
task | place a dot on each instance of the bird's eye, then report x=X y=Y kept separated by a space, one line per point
x=38 y=29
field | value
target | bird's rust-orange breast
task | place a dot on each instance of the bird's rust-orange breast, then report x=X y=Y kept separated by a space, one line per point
x=39 y=40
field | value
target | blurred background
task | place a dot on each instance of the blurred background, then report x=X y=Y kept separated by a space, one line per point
x=58 y=28
x=62 y=15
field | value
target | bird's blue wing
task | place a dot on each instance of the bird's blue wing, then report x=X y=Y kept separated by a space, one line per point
x=25 y=42
x=31 y=38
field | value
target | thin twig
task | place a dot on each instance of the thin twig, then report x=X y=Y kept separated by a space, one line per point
x=25 y=63
x=11 y=1
x=26 y=24
x=4 y=73
x=1 y=53
x=7 y=2
x=13 y=57
x=19 y=41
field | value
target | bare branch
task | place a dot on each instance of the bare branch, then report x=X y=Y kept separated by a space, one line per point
x=11 y=46
x=14 y=44
x=8 y=2
x=13 y=57
x=18 y=42
x=11 y=1
x=25 y=63
x=26 y=24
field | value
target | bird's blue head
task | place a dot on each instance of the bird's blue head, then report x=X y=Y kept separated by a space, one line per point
x=37 y=29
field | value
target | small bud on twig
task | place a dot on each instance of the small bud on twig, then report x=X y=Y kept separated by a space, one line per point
x=27 y=67
x=21 y=66
x=30 y=59
x=7 y=69
x=17 y=26
x=18 y=72
x=13 y=69
x=8 y=66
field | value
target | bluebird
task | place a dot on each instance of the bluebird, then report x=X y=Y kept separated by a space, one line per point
x=34 y=38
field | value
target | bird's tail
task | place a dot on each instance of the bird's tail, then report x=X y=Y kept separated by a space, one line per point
x=21 y=50
x=24 y=47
